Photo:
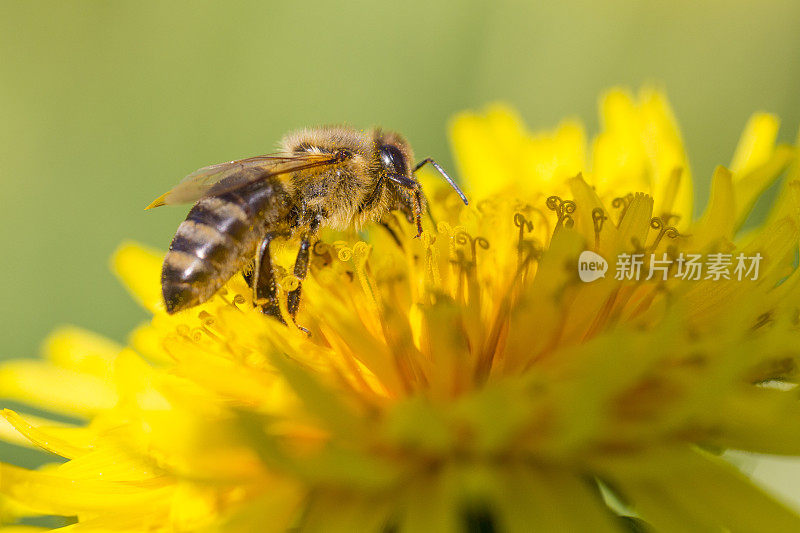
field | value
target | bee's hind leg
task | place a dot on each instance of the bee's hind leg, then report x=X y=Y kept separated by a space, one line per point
x=301 y=269
x=262 y=281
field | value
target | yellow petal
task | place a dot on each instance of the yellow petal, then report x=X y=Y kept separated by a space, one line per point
x=81 y=350
x=639 y=148
x=280 y=504
x=42 y=438
x=149 y=341
x=10 y=433
x=482 y=146
x=432 y=504
x=344 y=513
x=751 y=185
x=56 y=389
x=548 y=500
x=495 y=153
x=717 y=223
x=756 y=143
x=68 y=497
x=139 y=268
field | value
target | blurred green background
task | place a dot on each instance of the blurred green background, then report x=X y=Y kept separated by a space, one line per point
x=107 y=104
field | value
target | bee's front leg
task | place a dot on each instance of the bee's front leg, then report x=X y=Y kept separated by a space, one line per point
x=301 y=266
x=416 y=214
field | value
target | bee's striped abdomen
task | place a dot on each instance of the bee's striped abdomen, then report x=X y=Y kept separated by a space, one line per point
x=215 y=241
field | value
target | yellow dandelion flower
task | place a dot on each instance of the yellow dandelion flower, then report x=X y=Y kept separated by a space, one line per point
x=550 y=358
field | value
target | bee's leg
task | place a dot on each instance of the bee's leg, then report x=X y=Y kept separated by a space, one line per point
x=301 y=267
x=265 y=290
x=418 y=209
x=413 y=186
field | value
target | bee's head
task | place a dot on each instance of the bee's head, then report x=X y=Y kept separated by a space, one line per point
x=396 y=161
x=395 y=169
x=394 y=155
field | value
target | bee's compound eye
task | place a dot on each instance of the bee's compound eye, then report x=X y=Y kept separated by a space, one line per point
x=392 y=159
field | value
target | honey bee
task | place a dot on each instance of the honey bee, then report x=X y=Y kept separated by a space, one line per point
x=333 y=177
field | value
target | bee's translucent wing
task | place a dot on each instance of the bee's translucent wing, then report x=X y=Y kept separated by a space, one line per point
x=225 y=177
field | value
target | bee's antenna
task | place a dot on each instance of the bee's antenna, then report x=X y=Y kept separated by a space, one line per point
x=444 y=174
